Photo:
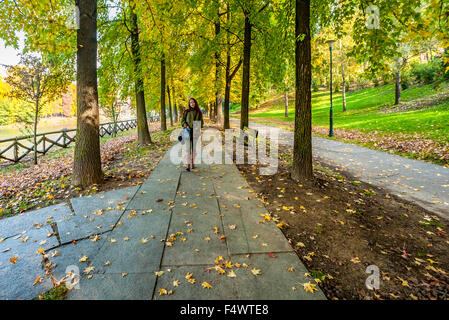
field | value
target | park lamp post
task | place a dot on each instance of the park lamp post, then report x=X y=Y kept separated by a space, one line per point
x=331 y=116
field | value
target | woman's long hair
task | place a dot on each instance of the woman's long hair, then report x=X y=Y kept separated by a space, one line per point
x=197 y=108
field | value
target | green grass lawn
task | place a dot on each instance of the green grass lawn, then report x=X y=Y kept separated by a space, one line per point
x=363 y=112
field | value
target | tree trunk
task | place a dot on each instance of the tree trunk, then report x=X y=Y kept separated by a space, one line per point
x=244 y=112
x=218 y=99
x=302 y=149
x=143 y=134
x=397 y=99
x=226 y=124
x=343 y=86
x=286 y=104
x=87 y=160
x=36 y=119
x=169 y=106
x=163 y=117
x=175 y=109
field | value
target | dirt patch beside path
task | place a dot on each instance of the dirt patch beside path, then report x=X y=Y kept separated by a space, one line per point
x=339 y=226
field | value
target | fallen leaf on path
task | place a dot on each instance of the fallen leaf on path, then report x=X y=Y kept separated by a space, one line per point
x=310 y=287
x=256 y=272
x=89 y=269
x=231 y=274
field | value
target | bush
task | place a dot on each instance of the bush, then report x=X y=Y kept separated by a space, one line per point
x=315 y=85
x=406 y=80
x=361 y=83
x=426 y=73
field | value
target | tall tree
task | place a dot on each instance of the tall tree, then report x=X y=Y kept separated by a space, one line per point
x=244 y=112
x=143 y=134
x=250 y=12
x=302 y=148
x=170 y=112
x=87 y=162
x=35 y=82
x=163 y=116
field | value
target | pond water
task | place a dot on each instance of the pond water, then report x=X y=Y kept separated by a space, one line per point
x=45 y=125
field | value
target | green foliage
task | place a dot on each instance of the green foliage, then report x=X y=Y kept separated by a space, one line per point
x=56 y=293
x=364 y=112
x=426 y=73
x=14 y=111
x=315 y=84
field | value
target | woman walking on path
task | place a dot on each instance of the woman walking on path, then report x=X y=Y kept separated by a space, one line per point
x=191 y=114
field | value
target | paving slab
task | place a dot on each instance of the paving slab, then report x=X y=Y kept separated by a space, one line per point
x=86 y=220
x=158 y=190
x=275 y=282
x=195 y=249
x=250 y=233
x=17 y=280
x=222 y=286
x=13 y=226
x=136 y=286
x=127 y=252
x=25 y=245
x=66 y=257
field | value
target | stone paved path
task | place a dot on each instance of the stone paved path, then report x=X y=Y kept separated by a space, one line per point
x=194 y=209
x=422 y=183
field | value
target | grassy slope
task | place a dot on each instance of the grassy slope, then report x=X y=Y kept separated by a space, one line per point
x=362 y=112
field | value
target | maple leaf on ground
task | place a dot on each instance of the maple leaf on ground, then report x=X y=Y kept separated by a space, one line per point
x=89 y=269
x=231 y=274
x=13 y=260
x=256 y=272
x=163 y=292
x=310 y=287
x=38 y=279
x=83 y=259
x=159 y=273
x=206 y=285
